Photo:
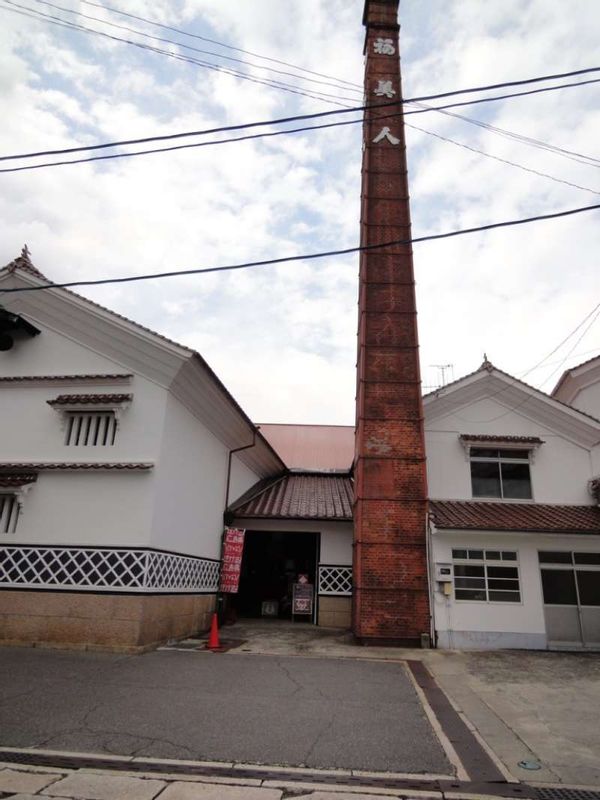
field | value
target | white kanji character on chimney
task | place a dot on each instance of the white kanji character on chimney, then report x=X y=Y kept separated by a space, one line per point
x=384 y=89
x=385 y=133
x=384 y=47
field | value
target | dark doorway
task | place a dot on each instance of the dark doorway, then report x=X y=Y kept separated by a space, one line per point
x=271 y=564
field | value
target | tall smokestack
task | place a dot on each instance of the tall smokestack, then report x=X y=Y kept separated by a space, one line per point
x=390 y=566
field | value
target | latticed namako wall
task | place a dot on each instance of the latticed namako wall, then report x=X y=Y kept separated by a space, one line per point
x=103 y=598
x=105 y=569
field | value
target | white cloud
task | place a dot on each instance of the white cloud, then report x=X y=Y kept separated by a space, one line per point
x=283 y=338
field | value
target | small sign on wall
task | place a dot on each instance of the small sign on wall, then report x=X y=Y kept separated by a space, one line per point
x=231 y=562
x=302 y=599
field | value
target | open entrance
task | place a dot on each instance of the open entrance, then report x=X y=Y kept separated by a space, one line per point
x=272 y=563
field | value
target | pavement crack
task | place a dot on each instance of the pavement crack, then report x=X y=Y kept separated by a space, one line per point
x=289 y=676
x=319 y=736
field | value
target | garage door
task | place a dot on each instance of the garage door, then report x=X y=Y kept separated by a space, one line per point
x=571 y=588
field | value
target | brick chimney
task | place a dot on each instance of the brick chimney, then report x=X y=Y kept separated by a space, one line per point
x=390 y=567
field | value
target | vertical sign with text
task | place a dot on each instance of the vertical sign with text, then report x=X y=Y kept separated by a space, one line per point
x=231 y=564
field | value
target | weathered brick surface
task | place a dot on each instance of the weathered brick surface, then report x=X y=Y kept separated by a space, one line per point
x=390 y=575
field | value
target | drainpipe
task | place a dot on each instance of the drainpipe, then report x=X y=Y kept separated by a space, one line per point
x=428 y=552
x=231 y=452
x=220 y=598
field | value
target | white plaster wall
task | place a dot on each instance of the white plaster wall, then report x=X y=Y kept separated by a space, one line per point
x=191 y=476
x=476 y=617
x=51 y=353
x=560 y=469
x=31 y=430
x=242 y=478
x=86 y=508
x=588 y=400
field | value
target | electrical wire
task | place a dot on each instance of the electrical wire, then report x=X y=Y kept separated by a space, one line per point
x=281 y=120
x=476 y=150
x=594 y=313
x=14 y=7
x=572 y=155
x=268 y=134
x=214 y=41
x=195 y=49
x=275 y=84
x=308 y=256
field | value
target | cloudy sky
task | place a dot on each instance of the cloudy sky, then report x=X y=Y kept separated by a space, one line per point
x=283 y=338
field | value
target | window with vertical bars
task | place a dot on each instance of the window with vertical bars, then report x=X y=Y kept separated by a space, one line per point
x=91 y=428
x=9 y=513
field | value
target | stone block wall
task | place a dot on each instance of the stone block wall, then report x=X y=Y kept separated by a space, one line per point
x=335 y=612
x=94 y=621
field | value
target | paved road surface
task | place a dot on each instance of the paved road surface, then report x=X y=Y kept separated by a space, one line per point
x=225 y=707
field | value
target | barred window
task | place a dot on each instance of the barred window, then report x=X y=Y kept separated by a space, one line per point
x=9 y=513
x=478 y=575
x=91 y=428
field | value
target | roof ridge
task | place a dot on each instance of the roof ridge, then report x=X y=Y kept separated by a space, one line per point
x=24 y=262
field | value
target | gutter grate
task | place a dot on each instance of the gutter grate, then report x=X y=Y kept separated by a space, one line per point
x=548 y=793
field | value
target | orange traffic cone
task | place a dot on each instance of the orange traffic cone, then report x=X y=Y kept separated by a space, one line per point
x=213 y=638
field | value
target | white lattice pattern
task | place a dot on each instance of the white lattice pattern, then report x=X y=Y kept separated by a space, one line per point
x=335 y=580
x=105 y=570
x=169 y=571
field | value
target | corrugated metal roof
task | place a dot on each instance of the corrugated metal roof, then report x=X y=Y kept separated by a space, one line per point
x=298 y=496
x=536 y=517
x=312 y=446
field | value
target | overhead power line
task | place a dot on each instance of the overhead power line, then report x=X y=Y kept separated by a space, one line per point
x=214 y=41
x=298 y=117
x=12 y=6
x=165 y=40
x=31 y=13
x=522 y=167
x=248 y=137
x=306 y=256
x=572 y=155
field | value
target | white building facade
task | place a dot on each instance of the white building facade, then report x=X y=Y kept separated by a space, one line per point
x=122 y=457
x=117 y=456
x=514 y=523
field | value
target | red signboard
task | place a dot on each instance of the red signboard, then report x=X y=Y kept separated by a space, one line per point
x=231 y=564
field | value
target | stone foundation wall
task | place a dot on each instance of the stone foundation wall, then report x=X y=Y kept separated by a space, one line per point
x=335 y=612
x=124 y=623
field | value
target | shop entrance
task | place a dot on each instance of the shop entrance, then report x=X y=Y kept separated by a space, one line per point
x=271 y=564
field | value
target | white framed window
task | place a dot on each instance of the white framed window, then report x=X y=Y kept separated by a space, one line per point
x=9 y=512
x=490 y=576
x=502 y=473
x=90 y=428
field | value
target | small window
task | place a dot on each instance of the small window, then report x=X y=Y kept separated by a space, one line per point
x=587 y=558
x=91 y=428
x=492 y=582
x=588 y=584
x=9 y=513
x=554 y=557
x=503 y=473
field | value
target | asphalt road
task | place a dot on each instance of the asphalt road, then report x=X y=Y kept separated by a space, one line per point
x=311 y=712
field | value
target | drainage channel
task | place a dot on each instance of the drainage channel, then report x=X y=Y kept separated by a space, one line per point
x=74 y=762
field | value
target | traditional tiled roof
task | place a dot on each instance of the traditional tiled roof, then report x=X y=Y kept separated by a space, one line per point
x=66 y=378
x=24 y=262
x=480 y=437
x=298 y=496
x=16 y=479
x=39 y=466
x=536 y=517
x=89 y=399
